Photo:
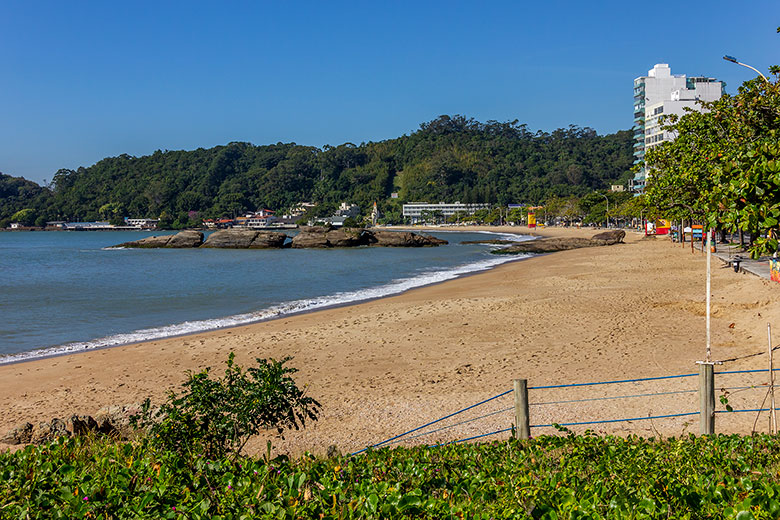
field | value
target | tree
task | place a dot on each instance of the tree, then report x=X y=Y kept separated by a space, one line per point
x=724 y=164
x=25 y=217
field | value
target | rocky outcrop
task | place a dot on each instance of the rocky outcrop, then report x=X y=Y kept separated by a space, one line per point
x=404 y=239
x=245 y=239
x=81 y=424
x=110 y=420
x=115 y=419
x=551 y=245
x=323 y=236
x=308 y=237
x=609 y=237
x=181 y=240
x=347 y=237
x=22 y=434
x=48 y=431
x=184 y=239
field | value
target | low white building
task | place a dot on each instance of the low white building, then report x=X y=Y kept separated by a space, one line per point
x=142 y=223
x=414 y=210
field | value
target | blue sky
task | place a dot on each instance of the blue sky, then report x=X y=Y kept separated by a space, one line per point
x=80 y=80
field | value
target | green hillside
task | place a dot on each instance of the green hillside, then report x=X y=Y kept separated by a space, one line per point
x=447 y=159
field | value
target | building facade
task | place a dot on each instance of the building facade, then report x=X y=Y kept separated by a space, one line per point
x=658 y=94
x=416 y=211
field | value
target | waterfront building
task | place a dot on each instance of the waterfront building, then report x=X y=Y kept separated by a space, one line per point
x=417 y=211
x=662 y=93
x=142 y=223
x=87 y=226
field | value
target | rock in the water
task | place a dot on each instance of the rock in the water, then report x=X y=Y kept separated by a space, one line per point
x=551 y=245
x=245 y=239
x=311 y=239
x=347 y=237
x=22 y=434
x=185 y=239
x=404 y=239
x=315 y=229
x=610 y=237
x=182 y=239
x=48 y=431
x=269 y=240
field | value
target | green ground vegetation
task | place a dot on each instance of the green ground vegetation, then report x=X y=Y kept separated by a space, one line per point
x=551 y=477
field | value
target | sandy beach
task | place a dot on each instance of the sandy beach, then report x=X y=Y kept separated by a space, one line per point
x=382 y=367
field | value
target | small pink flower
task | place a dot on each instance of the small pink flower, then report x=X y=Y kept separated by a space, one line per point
x=86 y=499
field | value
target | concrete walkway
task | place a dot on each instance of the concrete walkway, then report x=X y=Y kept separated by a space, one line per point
x=728 y=253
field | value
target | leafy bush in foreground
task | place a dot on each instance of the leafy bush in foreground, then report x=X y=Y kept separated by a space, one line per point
x=214 y=417
x=548 y=477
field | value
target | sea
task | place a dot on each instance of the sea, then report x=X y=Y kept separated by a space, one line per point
x=64 y=292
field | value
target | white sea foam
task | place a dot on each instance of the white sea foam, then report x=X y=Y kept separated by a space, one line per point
x=341 y=298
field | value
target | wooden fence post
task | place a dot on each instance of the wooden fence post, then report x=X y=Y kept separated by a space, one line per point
x=707 y=398
x=522 y=423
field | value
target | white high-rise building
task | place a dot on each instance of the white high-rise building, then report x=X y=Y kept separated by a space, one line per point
x=662 y=93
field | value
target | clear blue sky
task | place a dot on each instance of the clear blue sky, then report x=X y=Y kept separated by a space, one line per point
x=80 y=80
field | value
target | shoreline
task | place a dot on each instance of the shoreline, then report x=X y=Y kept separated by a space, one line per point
x=385 y=366
x=280 y=315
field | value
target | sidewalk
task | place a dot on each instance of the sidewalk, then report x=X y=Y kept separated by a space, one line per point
x=727 y=253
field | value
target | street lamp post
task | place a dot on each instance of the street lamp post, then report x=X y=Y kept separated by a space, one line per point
x=732 y=59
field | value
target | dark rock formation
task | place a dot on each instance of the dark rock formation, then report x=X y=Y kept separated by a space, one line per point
x=22 y=434
x=404 y=239
x=109 y=420
x=325 y=236
x=115 y=419
x=347 y=237
x=321 y=236
x=81 y=424
x=245 y=239
x=609 y=237
x=551 y=245
x=181 y=240
x=308 y=237
x=48 y=431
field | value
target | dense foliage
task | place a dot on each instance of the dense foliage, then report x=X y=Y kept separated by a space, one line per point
x=18 y=195
x=568 y=477
x=447 y=159
x=216 y=417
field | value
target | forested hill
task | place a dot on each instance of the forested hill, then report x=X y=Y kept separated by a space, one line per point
x=447 y=159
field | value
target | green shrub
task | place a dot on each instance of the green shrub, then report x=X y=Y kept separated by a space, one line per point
x=214 y=417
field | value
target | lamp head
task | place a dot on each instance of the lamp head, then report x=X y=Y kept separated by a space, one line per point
x=732 y=59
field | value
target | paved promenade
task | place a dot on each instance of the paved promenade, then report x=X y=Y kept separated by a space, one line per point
x=729 y=253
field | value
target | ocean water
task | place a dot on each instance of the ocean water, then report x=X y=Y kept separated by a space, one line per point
x=64 y=292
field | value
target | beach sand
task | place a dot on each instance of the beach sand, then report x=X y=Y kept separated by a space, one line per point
x=382 y=367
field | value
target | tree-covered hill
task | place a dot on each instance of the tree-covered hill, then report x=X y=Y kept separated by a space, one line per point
x=447 y=159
